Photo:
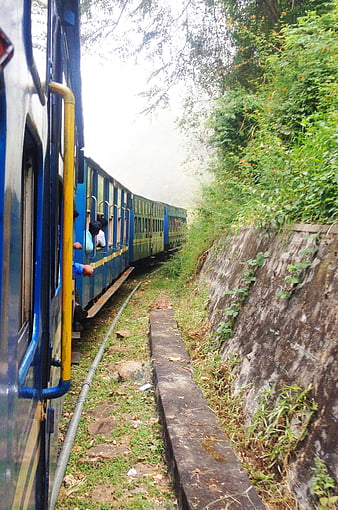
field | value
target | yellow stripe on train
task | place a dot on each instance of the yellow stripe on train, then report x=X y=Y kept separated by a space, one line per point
x=103 y=261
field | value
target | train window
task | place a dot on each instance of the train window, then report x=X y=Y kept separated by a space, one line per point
x=125 y=224
x=100 y=194
x=111 y=215
x=28 y=204
x=90 y=182
x=118 y=233
x=90 y=187
x=119 y=224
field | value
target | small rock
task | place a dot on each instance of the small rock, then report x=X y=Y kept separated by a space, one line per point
x=131 y=370
x=122 y=333
x=105 y=451
x=103 y=427
x=69 y=481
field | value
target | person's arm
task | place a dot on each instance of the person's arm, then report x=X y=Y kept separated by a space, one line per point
x=87 y=270
x=81 y=269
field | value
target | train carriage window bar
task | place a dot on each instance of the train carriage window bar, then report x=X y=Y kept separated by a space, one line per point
x=111 y=225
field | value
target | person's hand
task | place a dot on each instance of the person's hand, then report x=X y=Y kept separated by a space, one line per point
x=77 y=246
x=87 y=270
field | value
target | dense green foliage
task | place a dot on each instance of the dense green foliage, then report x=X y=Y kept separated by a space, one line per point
x=273 y=133
x=275 y=147
x=279 y=145
x=269 y=69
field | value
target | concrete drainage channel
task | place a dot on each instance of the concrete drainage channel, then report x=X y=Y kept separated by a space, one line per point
x=205 y=470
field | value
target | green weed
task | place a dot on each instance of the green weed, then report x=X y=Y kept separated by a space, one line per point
x=134 y=426
x=297 y=271
x=281 y=422
x=323 y=486
x=238 y=295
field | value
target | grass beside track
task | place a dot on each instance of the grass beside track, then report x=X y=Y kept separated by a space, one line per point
x=93 y=482
x=135 y=432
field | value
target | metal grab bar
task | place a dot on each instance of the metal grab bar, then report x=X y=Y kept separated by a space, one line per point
x=67 y=227
x=67 y=255
x=67 y=241
x=104 y=202
x=94 y=199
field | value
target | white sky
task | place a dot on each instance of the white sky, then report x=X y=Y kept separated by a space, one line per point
x=144 y=154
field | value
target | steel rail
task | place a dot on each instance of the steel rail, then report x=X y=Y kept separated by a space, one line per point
x=73 y=425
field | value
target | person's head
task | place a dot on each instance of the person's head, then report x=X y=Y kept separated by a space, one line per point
x=94 y=227
x=103 y=221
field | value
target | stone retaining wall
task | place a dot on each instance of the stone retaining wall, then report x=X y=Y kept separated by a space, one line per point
x=286 y=332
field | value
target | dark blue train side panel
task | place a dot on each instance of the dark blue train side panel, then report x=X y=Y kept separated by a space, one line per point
x=99 y=197
x=30 y=197
x=23 y=292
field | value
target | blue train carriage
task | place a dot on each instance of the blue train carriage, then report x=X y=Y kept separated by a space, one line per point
x=175 y=219
x=36 y=179
x=101 y=198
x=148 y=228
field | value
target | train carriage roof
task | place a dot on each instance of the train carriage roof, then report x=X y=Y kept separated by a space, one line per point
x=90 y=162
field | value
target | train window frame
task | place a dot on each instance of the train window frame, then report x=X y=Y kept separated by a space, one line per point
x=90 y=188
x=100 y=194
x=27 y=235
x=110 y=228
x=29 y=204
x=119 y=217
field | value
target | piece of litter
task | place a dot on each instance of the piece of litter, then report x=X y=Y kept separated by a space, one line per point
x=145 y=387
x=132 y=472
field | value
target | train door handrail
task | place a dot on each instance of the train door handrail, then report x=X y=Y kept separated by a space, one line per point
x=67 y=251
